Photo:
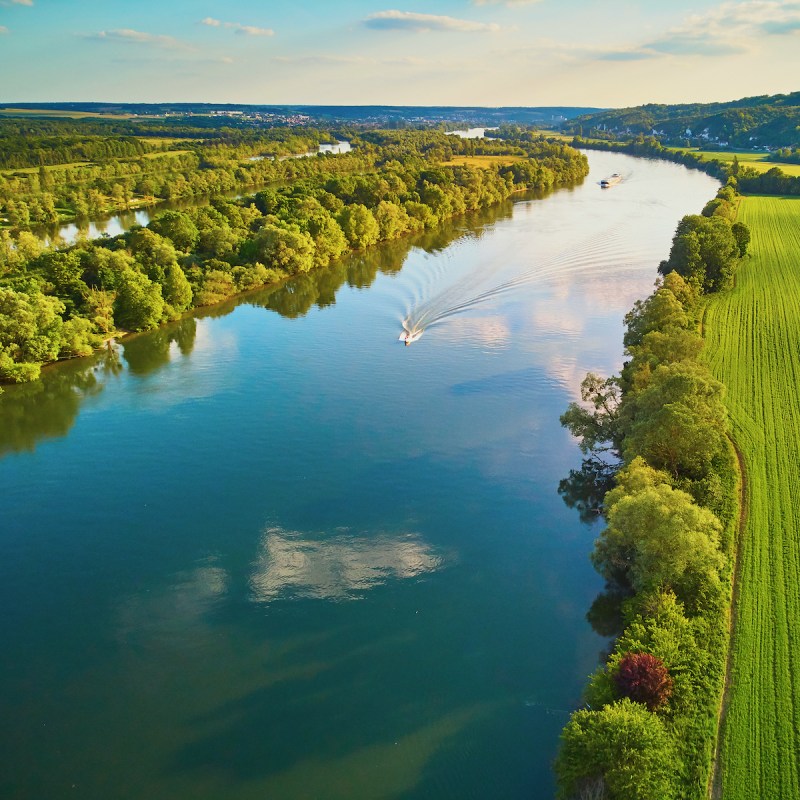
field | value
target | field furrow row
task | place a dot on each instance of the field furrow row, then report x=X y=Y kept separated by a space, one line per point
x=753 y=346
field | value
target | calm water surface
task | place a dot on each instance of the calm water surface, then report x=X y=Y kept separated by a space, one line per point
x=472 y=133
x=272 y=553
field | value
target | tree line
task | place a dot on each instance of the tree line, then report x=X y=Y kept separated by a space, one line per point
x=47 y=196
x=662 y=473
x=58 y=303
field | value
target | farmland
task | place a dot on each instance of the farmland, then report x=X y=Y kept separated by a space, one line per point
x=753 y=346
x=757 y=161
x=61 y=114
x=483 y=162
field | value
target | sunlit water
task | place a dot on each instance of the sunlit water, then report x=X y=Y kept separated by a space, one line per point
x=279 y=555
x=472 y=133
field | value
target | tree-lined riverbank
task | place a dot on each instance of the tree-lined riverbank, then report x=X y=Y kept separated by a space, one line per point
x=667 y=480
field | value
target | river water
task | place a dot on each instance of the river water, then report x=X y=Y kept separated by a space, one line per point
x=269 y=552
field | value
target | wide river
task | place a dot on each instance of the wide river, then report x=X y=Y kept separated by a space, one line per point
x=281 y=556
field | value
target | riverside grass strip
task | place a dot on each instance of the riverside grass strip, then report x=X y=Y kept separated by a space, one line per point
x=753 y=346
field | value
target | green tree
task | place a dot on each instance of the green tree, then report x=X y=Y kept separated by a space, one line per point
x=704 y=250
x=284 y=247
x=176 y=289
x=742 y=235
x=359 y=226
x=30 y=332
x=217 y=285
x=152 y=251
x=392 y=220
x=622 y=751
x=658 y=538
x=78 y=338
x=139 y=304
x=178 y=228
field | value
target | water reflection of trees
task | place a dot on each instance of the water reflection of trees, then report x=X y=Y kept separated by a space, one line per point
x=47 y=408
x=584 y=490
x=296 y=297
x=151 y=351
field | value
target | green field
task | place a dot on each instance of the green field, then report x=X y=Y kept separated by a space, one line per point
x=61 y=113
x=753 y=346
x=483 y=162
x=49 y=168
x=756 y=161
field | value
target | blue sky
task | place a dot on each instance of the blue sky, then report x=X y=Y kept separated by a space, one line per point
x=448 y=52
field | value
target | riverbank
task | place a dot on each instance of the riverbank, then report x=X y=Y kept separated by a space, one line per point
x=669 y=551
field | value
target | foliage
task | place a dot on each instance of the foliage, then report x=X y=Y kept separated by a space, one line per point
x=658 y=538
x=644 y=679
x=623 y=746
x=139 y=304
x=704 y=251
x=598 y=425
x=664 y=552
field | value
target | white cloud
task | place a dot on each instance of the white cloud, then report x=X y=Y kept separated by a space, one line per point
x=237 y=27
x=324 y=59
x=729 y=29
x=130 y=36
x=23 y=2
x=3 y=29
x=425 y=23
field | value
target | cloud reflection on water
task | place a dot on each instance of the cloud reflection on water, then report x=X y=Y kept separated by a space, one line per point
x=339 y=567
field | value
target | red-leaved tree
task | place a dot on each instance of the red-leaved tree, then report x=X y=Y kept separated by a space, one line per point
x=645 y=679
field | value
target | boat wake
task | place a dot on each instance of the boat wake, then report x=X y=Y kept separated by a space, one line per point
x=603 y=252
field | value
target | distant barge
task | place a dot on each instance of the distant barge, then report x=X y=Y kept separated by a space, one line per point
x=607 y=183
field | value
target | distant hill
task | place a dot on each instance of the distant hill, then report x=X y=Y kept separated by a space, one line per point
x=766 y=121
x=474 y=115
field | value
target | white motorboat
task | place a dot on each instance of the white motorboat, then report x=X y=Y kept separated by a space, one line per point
x=410 y=336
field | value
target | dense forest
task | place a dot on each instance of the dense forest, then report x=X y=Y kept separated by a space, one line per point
x=63 y=171
x=772 y=121
x=58 y=303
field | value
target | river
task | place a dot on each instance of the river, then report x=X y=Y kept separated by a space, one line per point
x=269 y=552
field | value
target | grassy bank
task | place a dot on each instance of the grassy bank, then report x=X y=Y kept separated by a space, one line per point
x=753 y=347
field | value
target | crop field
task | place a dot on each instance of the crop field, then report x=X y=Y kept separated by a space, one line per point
x=48 y=168
x=757 y=161
x=483 y=162
x=166 y=154
x=61 y=113
x=753 y=345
